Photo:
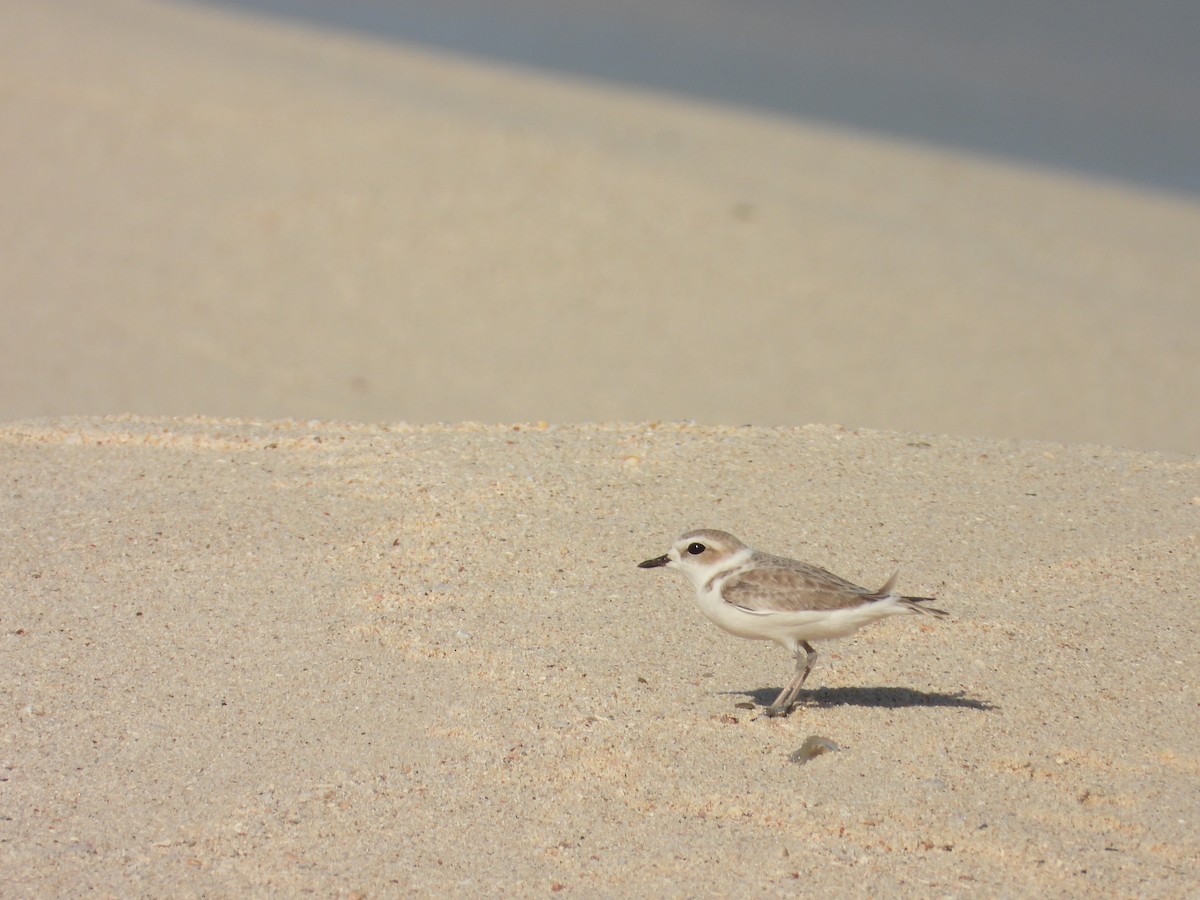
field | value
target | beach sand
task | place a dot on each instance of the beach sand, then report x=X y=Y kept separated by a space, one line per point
x=214 y=214
x=251 y=652
x=245 y=658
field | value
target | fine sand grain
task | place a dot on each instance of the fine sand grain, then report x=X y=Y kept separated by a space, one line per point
x=243 y=658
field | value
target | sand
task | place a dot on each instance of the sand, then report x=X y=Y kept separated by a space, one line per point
x=243 y=658
x=249 y=652
x=215 y=214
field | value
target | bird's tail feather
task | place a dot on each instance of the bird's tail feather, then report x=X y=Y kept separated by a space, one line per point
x=912 y=603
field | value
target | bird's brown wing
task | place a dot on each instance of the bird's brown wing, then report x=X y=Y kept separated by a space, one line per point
x=795 y=587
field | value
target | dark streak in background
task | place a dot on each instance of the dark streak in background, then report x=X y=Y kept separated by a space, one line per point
x=1104 y=88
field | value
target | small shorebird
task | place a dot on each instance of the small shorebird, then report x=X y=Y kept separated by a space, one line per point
x=763 y=597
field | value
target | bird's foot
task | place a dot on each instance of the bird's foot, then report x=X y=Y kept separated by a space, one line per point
x=776 y=711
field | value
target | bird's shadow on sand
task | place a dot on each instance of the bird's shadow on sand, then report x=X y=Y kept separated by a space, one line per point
x=880 y=697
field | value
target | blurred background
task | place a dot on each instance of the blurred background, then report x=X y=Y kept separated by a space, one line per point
x=922 y=216
x=1105 y=88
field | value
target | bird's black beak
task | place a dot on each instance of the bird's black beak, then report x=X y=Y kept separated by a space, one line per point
x=655 y=563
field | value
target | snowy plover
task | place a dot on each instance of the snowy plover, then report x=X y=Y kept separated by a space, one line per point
x=762 y=597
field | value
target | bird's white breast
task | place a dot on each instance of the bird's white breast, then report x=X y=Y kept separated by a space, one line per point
x=731 y=618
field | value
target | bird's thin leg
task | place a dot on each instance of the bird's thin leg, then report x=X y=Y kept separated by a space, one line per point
x=786 y=697
x=783 y=703
x=810 y=660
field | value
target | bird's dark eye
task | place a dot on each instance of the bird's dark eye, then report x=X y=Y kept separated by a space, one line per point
x=696 y=549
